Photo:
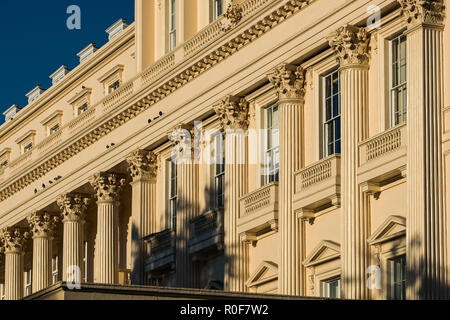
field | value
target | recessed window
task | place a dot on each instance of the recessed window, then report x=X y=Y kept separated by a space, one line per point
x=173 y=195
x=4 y=164
x=28 y=282
x=54 y=129
x=272 y=144
x=397 y=283
x=219 y=172
x=332 y=288
x=398 y=81
x=55 y=269
x=28 y=147
x=217 y=8
x=332 y=114
x=82 y=109
x=113 y=87
x=172 y=25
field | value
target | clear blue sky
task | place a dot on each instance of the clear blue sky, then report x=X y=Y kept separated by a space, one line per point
x=36 y=41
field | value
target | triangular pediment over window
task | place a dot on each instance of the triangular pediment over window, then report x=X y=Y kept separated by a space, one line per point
x=324 y=252
x=393 y=227
x=267 y=271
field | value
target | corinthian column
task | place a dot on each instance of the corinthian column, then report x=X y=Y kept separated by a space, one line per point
x=42 y=227
x=426 y=222
x=13 y=243
x=143 y=170
x=289 y=82
x=187 y=203
x=233 y=113
x=351 y=45
x=107 y=187
x=73 y=211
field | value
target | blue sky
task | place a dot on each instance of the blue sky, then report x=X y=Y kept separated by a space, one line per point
x=36 y=41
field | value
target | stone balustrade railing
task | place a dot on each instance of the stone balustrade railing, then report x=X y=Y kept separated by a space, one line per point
x=382 y=144
x=318 y=172
x=212 y=220
x=204 y=37
x=258 y=199
x=50 y=141
x=160 y=241
x=118 y=96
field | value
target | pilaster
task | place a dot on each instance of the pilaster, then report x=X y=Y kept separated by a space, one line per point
x=351 y=46
x=233 y=114
x=143 y=167
x=289 y=81
x=426 y=235
x=107 y=187
x=42 y=225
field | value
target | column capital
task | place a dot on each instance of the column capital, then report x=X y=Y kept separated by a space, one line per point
x=73 y=206
x=143 y=165
x=423 y=11
x=181 y=134
x=351 y=46
x=42 y=224
x=107 y=185
x=14 y=239
x=233 y=113
x=289 y=80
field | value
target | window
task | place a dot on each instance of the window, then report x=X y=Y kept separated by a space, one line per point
x=172 y=25
x=54 y=129
x=219 y=172
x=114 y=86
x=82 y=109
x=332 y=114
x=217 y=8
x=55 y=269
x=28 y=147
x=85 y=262
x=332 y=288
x=173 y=194
x=397 y=268
x=2 y=292
x=28 y=282
x=272 y=144
x=398 y=85
x=4 y=164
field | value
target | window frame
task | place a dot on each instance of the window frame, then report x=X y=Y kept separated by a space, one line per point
x=391 y=275
x=395 y=110
x=217 y=8
x=172 y=25
x=269 y=146
x=85 y=260
x=2 y=292
x=28 y=282
x=334 y=118
x=219 y=171
x=55 y=269
x=326 y=285
x=172 y=195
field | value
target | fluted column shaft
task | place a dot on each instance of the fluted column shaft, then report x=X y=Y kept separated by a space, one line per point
x=107 y=259
x=13 y=240
x=73 y=211
x=355 y=247
x=426 y=221
x=108 y=187
x=236 y=181
x=351 y=45
x=14 y=270
x=143 y=169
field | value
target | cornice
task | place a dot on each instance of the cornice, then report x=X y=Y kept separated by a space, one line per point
x=79 y=72
x=193 y=70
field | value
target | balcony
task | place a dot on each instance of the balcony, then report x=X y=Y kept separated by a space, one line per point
x=160 y=253
x=207 y=234
x=383 y=156
x=258 y=212
x=318 y=186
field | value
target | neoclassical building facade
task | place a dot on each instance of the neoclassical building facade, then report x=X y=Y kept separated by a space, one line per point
x=292 y=147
